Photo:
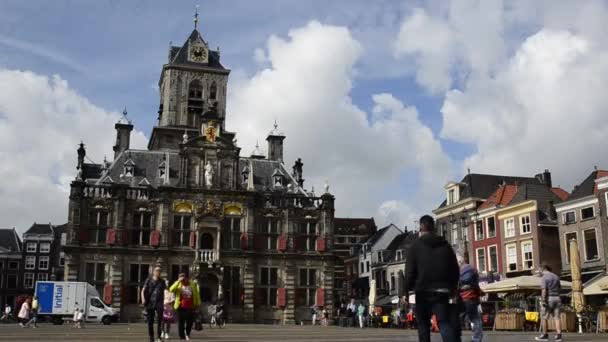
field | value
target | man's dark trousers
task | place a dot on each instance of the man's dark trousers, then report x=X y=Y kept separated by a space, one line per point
x=429 y=303
x=150 y=313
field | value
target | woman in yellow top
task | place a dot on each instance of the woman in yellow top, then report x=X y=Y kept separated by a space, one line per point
x=187 y=300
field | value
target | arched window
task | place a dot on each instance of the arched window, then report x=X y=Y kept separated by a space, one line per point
x=213 y=91
x=195 y=90
x=206 y=241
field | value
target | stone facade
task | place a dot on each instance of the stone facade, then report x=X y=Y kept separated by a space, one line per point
x=583 y=218
x=244 y=227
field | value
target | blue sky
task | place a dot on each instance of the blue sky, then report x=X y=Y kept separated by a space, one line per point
x=458 y=68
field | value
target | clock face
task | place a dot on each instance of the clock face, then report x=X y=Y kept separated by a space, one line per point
x=198 y=54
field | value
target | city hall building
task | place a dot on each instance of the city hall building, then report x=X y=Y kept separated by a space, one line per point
x=243 y=226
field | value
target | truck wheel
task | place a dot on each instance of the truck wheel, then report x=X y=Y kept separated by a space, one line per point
x=106 y=320
x=57 y=320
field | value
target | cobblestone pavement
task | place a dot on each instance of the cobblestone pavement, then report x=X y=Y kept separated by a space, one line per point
x=137 y=332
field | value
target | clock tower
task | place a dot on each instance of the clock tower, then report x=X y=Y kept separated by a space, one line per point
x=192 y=83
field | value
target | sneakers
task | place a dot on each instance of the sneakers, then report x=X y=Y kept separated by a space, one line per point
x=543 y=337
x=558 y=338
x=166 y=335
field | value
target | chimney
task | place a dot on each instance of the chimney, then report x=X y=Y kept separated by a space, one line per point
x=275 y=144
x=123 y=134
x=547 y=178
x=544 y=178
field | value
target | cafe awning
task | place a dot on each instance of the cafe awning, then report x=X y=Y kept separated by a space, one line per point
x=597 y=286
x=523 y=283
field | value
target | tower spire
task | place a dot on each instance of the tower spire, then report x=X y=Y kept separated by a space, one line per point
x=196 y=17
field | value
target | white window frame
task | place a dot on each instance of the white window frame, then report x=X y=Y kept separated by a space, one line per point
x=507 y=257
x=481 y=268
x=567 y=245
x=30 y=262
x=42 y=277
x=483 y=230
x=451 y=196
x=488 y=227
x=42 y=259
x=490 y=269
x=564 y=216
x=512 y=220
x=28 y=280
x=47 y=249
x=31 y=244
x=523 y=254
x=522 y=224
x=588 y=218
x=597 y=247
x=61 y=258
x=454 y=230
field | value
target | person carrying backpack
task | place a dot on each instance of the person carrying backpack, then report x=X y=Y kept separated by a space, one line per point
x=470 y=293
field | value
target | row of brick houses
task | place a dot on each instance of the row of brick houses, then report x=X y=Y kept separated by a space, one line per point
x=508 y=226
x=37 y=256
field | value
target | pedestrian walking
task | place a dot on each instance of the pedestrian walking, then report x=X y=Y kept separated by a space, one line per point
x=551 y=303
x=7 y=313
x=361 y=314
x=470 y=293
x=325 y=314
x=24 y=312
x=432 y=272
x=351 y=312
x=34 y=313
x=168 y=312
x=187 y=300
x=152 y=297
x=313 y=314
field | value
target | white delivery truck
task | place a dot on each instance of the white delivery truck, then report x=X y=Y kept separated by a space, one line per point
x=59 y=299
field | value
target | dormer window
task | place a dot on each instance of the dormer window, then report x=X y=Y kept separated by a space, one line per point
x=451 y=196
x=399 y=255
x=277 y=178
x=129 y=168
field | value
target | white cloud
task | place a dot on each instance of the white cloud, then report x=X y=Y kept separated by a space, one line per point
x=306 y=87
x=398 y=212
x=523 y=82
x=42 y=120
x=447 y=47
x=545 y=110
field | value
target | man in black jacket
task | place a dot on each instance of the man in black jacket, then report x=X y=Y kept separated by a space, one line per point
x=432 y=272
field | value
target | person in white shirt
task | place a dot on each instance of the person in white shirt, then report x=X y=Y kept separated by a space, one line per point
x=7 y=312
